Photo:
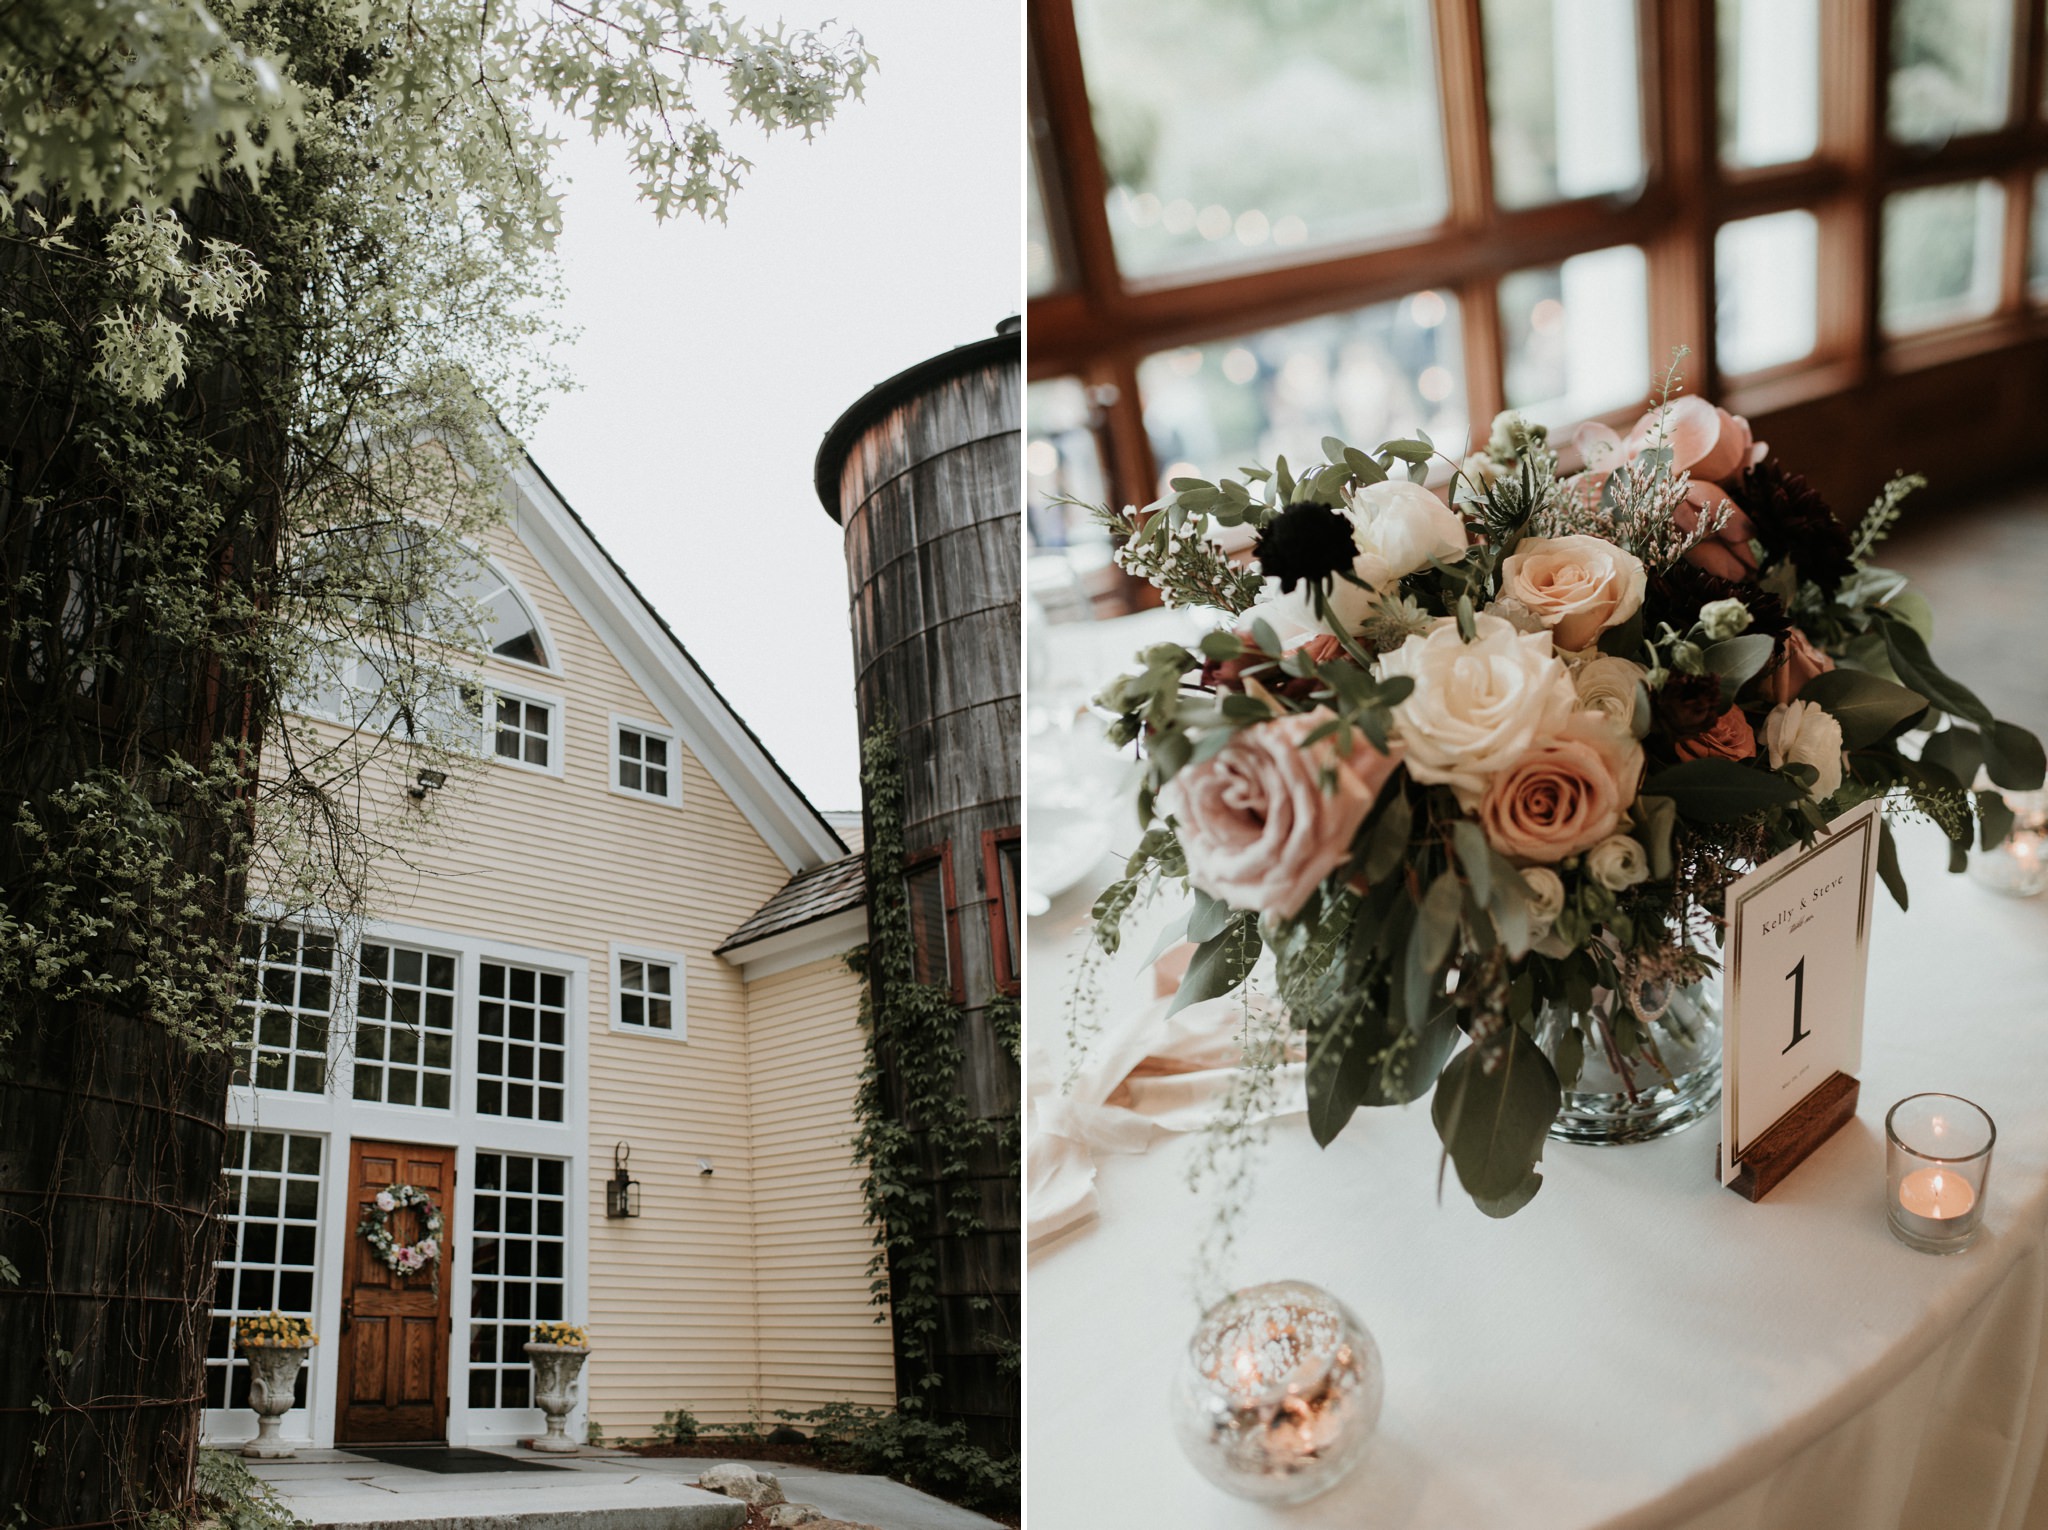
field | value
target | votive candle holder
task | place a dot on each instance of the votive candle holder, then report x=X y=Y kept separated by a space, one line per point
x=1937 y=1169
x=1278 y=1393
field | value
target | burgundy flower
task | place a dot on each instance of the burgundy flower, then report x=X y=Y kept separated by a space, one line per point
x=1792 y=521
x=1689 y=704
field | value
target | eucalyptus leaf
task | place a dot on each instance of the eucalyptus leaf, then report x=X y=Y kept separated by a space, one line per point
x=1437 y=928
x=1507 y=1205
x=1959 y=751
x=2013 y=758
x=1219 y=965
x=1720 y=791
x=1738 y=659
x=1994 y=820
x=1475 y=855
x=1888 y=870
x=1916 y=668
x=1388 y=846
x=1867 y=708
x=1494 y=1124
x=1209 y=918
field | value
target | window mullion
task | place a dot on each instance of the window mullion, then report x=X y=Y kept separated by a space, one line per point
x=1461 y=87
x=1072 y=183
x=1679 y=46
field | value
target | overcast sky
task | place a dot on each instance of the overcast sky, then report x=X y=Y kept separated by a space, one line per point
x=712 y=359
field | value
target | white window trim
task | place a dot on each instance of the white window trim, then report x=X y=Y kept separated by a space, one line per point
x=540 y=621
x=674 y=796
x=558 y=720
x=341 y=1119
x=679 y=1023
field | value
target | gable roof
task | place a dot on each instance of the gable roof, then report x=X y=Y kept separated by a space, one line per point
x=806 y=898
x=662 y=667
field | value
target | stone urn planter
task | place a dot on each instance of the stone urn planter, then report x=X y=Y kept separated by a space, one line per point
x=273 y=1377
x=555 y=1368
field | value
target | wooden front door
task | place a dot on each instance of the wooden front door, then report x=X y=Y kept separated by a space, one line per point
x=394 y=1328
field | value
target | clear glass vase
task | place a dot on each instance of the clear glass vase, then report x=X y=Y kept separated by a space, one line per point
x=1642 y=1080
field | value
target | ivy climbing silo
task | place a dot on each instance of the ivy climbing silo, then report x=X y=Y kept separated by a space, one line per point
x=923 y=476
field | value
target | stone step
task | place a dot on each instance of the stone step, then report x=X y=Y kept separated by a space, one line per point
x=572 y=1502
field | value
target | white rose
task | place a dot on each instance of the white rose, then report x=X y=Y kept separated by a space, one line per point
x=1724 y=619
x=1610 y=686
x=1806 y=733
x=1580 y=585
x=1618 y=862
x=1546 y=898
x=1401 y=526
x=1477 y=707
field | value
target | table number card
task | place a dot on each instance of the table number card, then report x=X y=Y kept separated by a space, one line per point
x=1792 y=979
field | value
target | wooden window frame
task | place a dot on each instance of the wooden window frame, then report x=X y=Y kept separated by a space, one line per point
x=1096 y=326
x=1007 y=963
x=942 y=852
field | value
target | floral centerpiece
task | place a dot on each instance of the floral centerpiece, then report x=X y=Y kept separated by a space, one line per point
x=1484 y=768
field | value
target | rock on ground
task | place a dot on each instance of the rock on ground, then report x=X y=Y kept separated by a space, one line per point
x=742 y=1482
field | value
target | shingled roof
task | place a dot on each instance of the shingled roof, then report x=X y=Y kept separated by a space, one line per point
x=804 y=899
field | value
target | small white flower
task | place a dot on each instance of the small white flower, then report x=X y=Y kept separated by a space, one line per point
x=1805 y=733
x=1609 y=685
x=1724 y=619
x=385 y=1201
x=1546 y=898
x=1618 y=862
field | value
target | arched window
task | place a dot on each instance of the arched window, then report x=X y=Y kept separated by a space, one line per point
x=507 y=624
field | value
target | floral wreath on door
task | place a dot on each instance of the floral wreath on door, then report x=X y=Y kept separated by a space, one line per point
x=403 y=1258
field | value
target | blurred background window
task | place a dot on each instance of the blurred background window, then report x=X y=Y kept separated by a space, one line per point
x=2037 y=243
x=1766 y=290
x=1951 y=64
x=1768 y=54
x=1259 y=222
x=1041 y=271
x=1364 y=376
x=1231 y=130
x=1941 y=254
x=1563 y=84
x=1576 y=335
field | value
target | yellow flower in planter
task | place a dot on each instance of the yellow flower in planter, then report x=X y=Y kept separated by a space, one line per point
x=560 y=1333
x=274 y=1330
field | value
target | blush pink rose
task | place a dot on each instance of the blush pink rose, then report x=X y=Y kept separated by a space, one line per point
x=1706 y=441
x=1259 y=830
x=1565 y=796
x=1798 y=663
x=1730 y=738
x=1578 y=586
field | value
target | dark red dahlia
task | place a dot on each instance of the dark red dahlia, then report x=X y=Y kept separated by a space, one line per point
x=1792 y=521
x=1306 y=544
x=1689 y=704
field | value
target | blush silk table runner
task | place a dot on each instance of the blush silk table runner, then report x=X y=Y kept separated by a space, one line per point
x=1638 y=1347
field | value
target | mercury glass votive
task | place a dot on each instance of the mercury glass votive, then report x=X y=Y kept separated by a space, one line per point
x=2018 y=864
x=1937 y=1161
x=1278 y=1393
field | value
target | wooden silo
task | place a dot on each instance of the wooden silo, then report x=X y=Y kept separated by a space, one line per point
x=923 y=474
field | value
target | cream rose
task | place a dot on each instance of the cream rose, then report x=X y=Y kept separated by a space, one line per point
x=1618 y=862
x=1546 y=898
x=1610 y=686
x=1477 y=707
x=1258 y=828
x=1401 y=526
x=1566 y=795
x=1806 y=733
x=1579 y=585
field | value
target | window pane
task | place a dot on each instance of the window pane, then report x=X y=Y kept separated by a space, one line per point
x=1941 y=252
x=1366 y=376
x=1766 y=275
x=1061 y=458
x=1769 y=80
x=1041 y=271
x=1564 y=91
x=1229 y=131
x=924 y=886
x=1577 y=335
x=2037 y=244
x=1951 y=61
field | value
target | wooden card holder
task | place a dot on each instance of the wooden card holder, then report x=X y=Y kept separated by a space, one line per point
x=1805 y=1127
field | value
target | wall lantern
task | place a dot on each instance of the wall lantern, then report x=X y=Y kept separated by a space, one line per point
x=426 y=781
x=622 y=1193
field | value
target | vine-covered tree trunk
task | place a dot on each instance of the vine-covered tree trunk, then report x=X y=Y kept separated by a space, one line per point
x=135 y=541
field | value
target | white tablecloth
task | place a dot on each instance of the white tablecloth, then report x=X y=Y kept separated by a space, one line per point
x=1639 y=1347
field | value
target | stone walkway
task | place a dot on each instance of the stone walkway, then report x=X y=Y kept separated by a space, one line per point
x=595 y=1490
